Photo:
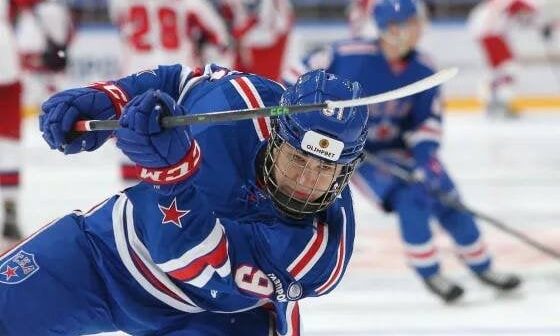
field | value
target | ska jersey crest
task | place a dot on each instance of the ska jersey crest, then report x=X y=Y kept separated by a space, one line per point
x=18 y=268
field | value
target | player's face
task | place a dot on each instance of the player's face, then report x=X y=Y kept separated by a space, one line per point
x=301 y=176
x=404 y=36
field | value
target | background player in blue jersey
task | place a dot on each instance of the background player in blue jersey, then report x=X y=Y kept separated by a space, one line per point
x=232 y=225
x=407 y=133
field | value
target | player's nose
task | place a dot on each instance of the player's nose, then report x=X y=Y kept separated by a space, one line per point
x=307 y=177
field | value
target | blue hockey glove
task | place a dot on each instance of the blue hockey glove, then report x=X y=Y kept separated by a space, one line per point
x=61 y=111
x=433 y=179
x=165 y=155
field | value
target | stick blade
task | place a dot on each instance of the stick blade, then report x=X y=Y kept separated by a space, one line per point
x=427 y=83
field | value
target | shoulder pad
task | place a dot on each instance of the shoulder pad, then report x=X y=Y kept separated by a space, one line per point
x=356 y=47
x=426 y=60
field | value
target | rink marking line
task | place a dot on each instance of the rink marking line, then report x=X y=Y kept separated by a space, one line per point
x=523 y=103
x=380 y=250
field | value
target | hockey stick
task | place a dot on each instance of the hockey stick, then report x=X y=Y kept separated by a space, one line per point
x=454 y=203
x=548 y=54
x=275 y=111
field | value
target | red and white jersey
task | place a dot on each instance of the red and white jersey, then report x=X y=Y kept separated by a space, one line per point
x=37 y=22
x=360 y=19
x=158 y=32
x=9 y=63
x=494 y=17
x=261 y=30
x=259 y=23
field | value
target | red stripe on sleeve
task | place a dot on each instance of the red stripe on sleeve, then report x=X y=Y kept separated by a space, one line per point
x=311 y=252
x=254 y=104
x=215 y=258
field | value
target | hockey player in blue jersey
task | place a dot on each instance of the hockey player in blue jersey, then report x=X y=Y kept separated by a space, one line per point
x=407 y=133
x=233 y=223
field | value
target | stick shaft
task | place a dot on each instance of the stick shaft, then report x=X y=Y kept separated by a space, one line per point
x=519 y=235
x=275 y=111
x=191 y=119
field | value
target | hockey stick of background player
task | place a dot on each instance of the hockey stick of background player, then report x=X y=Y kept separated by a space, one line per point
x=549 y=55
x=454 y=203
x=274 y=111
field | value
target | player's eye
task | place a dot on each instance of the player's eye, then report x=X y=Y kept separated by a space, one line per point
x=298 y=159
x=325 y=167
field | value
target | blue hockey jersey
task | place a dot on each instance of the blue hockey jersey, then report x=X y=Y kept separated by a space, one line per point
x=395 y=127
x=405 y=132
x=218 y=244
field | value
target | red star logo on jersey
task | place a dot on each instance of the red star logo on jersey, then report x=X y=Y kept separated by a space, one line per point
x=385 y=132
x=172 y=214
x=10 y=272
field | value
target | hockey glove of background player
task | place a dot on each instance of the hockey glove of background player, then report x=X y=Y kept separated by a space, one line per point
x=54 y=56
x=61 y=111
x=166 y=157
x=431 y=174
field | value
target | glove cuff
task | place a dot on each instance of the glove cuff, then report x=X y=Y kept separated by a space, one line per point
x=118 y=96
x=179 y=172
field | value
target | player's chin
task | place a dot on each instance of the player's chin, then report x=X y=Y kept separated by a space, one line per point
x=302 y=196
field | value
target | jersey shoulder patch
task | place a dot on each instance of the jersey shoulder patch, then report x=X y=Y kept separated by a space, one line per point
x=355 y=47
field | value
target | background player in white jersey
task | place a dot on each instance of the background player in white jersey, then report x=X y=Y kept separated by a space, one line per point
x=166 y=32
x=261 y=31
x=490 y=23
x=10 y=127
x=40 y=51
x=45 y=30
x=359 y=18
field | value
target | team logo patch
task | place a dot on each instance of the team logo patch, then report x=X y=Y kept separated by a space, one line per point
x=295 y=291
x=18 y=268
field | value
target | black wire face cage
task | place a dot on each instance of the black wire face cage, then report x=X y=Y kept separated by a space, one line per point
x=317 y=198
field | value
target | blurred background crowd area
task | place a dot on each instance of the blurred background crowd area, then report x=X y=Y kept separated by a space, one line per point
x=96 y=52
x=95 y=11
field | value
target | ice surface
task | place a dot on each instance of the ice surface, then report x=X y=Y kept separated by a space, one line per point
x=509 y=169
